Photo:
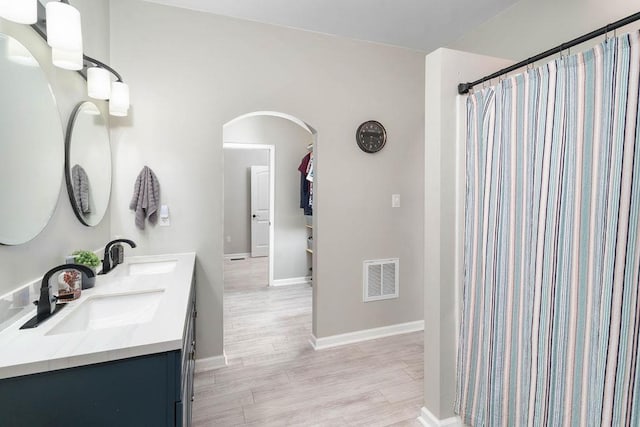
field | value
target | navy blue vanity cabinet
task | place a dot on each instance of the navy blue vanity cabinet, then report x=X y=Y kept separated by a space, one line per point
x=188 y=360
x=153 y=390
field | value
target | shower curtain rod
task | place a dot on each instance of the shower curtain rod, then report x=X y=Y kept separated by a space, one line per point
x=464 y=88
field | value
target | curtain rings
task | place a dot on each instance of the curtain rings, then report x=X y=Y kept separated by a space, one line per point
x=530 y=65
x=606 y=33
x=562 y=49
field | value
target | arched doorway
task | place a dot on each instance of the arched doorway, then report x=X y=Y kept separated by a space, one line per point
x=288 y=141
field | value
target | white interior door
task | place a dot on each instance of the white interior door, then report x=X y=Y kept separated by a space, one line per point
x=259 y=211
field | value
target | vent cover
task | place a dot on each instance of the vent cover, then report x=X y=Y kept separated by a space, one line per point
x=381 y=279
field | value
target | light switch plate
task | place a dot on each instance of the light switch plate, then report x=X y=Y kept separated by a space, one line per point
x=395 y=200
x=164 y=220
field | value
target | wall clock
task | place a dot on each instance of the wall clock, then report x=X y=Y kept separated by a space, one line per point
x=371 y=136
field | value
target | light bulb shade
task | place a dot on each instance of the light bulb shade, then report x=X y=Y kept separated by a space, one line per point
x=98 y=83
x=20 y=11
x=91 y=109
x=19 y=54
x=64 y=30
x=67 y=59
x=119 y=101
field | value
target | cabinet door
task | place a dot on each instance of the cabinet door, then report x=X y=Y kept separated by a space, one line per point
x=133 y=392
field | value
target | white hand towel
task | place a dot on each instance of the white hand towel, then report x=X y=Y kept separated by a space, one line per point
x=146 y=197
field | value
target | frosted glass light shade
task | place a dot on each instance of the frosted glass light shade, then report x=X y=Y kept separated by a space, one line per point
x=19 y=54
x=119 y=101
x=20 y=11
x=98 y=83
x=67 y=59
x=64 y=30
x=91 y=109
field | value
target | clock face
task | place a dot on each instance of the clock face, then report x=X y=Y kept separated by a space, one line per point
x=371 y=136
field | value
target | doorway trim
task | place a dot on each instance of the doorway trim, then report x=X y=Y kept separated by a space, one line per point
x=272 y=192
x=289 y=117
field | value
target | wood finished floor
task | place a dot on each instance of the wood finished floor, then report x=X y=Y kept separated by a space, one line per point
x=275 y=378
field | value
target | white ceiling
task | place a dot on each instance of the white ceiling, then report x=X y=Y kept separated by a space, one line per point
x=417 y=24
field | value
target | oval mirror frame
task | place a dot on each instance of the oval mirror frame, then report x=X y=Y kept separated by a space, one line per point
x=31 y=145
x=88 y=163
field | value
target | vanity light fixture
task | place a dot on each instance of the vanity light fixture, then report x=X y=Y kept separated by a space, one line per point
x=119 y=102
x=98 y=83
x=91 y=109
x=20 y=11
x=19 y=54
x=100 y=86
x=64 y=35
x=60 y=25
x=67 y=59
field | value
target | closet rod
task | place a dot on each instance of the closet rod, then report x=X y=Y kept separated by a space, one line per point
x=465 y=87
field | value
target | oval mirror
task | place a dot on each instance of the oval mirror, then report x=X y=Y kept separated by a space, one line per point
x=31 y=145
x=88 y=163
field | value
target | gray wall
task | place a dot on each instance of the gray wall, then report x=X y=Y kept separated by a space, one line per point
x=237 y=197
x=190 y=73
x=290 y=140
x=64 y=233
x=444 y=222
x=532 y=26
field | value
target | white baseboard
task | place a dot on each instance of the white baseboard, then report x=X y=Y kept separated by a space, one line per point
x=427 y=419
x=242 y=255
x=365 y=335
x=211 y=363
x=292 y=281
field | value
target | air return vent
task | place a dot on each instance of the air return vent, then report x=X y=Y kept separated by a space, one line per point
x=381 y=279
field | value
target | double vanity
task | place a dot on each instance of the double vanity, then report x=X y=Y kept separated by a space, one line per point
x=122 y=354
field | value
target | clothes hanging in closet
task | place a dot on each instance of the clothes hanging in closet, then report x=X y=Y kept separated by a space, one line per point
x=306 y=184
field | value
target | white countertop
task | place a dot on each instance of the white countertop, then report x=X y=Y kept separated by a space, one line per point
x=30 y=351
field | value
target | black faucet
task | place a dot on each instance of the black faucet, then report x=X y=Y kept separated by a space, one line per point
x=47 y=301
x=106 y=262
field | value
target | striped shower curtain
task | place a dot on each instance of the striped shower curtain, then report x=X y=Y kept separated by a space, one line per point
x=551 y=316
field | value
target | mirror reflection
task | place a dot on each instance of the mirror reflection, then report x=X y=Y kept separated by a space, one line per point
x=31 y=145
x=88 y=163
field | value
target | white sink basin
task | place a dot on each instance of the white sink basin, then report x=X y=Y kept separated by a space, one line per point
x=110 y=311
x=151 y=267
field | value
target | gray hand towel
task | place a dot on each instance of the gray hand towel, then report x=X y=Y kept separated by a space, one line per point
x=80 y=187
x=146 y=197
